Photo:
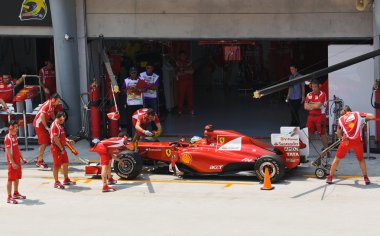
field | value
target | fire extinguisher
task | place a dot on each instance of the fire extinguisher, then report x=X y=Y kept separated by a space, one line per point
x=94 y=98
x=376 y=105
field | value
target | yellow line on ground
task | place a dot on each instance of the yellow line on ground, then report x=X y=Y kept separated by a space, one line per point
x=87 y=181
x=227 y=184
x=90 y=160
x=348 y=177
x=339 y=176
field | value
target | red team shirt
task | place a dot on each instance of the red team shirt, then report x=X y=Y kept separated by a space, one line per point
x=105 y=146
x=321 y=97
x=57 y=130
x=59 y=158
x=47 y=108
x=48 y=79
x=139 y=116
x=12 y=143
x=351 y=124
x=6 y=91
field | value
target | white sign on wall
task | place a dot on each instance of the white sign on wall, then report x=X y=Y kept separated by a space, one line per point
x=353 y=84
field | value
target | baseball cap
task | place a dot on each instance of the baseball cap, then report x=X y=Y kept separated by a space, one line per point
x=132 y=69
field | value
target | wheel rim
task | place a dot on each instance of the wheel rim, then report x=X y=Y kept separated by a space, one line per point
x=270 y=167
x=129 y=165
x=320 y=173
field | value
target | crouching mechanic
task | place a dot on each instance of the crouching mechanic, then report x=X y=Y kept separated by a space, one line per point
x=141 y=119
x=351 y=124
x=57 y=147
x=107 y=150
x=14 y=158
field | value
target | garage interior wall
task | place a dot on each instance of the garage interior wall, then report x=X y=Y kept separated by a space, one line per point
x=227 y=19
x=354 y=83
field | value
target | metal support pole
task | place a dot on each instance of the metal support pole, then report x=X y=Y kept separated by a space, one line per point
x=26 y=148
x=368 y=156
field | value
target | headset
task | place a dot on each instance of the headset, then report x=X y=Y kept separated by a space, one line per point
x=315 y=81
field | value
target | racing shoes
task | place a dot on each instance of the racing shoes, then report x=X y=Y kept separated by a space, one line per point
x=107 y=189
x=41 y=164
x=10 y=200
x=111 y=181
x=69 y=182
x=58 y=185
x=366 y=180
x=17 y=195
x=329 y=179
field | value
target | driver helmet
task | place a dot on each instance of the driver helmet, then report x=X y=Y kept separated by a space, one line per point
x=195 y=139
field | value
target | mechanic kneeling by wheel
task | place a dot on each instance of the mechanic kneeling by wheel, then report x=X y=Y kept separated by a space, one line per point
x=141 y=119
x=351 y=124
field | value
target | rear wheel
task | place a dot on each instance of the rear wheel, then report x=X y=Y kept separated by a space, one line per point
x=274 y=164
x=132 y=166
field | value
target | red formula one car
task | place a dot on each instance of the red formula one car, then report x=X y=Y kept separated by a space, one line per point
x=220 y=152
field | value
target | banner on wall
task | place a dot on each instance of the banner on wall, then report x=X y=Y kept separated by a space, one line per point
x=25 y=13
x=33 y=10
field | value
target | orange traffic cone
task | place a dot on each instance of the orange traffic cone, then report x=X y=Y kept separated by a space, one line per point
x=267 y=183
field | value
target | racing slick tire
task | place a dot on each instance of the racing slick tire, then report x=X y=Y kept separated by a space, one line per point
x=133 y=166
x=274 y=164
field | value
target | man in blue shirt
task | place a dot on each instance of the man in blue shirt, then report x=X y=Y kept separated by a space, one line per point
x=296 y=96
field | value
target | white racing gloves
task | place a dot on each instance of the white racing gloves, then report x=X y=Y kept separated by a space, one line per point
x=148 y=133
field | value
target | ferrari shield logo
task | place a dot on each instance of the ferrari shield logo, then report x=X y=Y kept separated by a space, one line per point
x=221 y=140
x=168 y=152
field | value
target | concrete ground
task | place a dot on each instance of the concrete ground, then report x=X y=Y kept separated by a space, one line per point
x=166 y=205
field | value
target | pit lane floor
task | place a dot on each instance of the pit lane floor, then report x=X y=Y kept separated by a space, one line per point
x=157 y=204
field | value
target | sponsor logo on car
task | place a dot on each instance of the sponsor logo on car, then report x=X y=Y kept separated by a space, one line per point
x=233 y=145
x=153 y=149
x=186 y=158
x=216 y=167
x=292 y=154
x=291 y=160
x=291 y=149
x=248 y=160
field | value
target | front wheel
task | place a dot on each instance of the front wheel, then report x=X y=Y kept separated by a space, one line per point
x=274 y=164
x=132 y=168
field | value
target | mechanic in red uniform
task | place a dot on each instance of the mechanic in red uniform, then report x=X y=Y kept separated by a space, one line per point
x=7 y=87
x=141 y=119
x=107 y=150
x=351 y=124
x=47 y=79
x=315 y=103
x=14 y=158
x=185 y=82
x=44 y=114
x=58 y=142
